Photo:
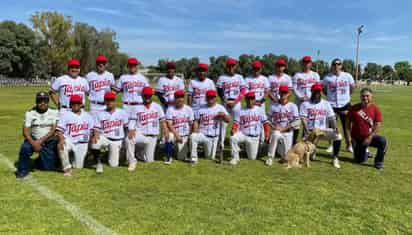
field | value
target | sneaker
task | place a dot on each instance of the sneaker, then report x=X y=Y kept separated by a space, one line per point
x=99 y=168
x=132 y=167
x=335 y=163
x=68 y=172
x=349 y=149
x=168 y=161
x=234 y=161
x=21 y=175
x=269 y=161
x=330 y=149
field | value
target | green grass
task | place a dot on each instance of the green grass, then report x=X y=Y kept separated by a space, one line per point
x=218 y=199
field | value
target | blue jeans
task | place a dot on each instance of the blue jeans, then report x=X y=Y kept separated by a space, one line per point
x=47 y=156
x=378 y=142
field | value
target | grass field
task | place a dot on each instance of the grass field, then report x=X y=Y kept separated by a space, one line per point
x=217 y=199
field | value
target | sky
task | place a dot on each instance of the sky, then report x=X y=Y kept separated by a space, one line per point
x=172 y=29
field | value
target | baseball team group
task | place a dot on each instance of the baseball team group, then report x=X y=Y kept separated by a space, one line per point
x=257 y=109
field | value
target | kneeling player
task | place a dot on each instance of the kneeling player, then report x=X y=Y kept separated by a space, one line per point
x=208 y=126
x=179 y=122
x=108 y=131
x=74 y=128
x=246 y=129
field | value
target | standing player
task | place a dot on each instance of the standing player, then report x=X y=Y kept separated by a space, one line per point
x=208 y=122
x=180 y=124
x=145 y=123
x=278 y=79
x=100 y=82
x=258 y=84
x=131 y=85
x=338 y=87
x=166 y=86
x=74 y=128
x=68 y=85
x=317 y=113
x=247 y=126
x=284 y=117
x=198 y=88
x=109 y=131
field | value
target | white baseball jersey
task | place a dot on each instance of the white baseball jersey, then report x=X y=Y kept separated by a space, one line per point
x=303 y=82
x=317 y=115
x=250 y=120
x=112 y=125
x=231 y=86
x=146 y=120
x=132 y=85
x=282 y=115
x=275 y=82
x=99 y=84
x=259 y=85
x=181 y=119
x=338 y=88
x=168 y=86
x=197 y=90
x=208 y=124
x=40 y=123
x=67 y=86
x=76 y=128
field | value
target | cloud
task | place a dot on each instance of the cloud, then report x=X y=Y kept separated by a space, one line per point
x=105 y=11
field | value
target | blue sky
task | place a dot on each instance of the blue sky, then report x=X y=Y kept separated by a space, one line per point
x=173 y=29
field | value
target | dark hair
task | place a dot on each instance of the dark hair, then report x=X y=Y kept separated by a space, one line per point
x=366 y=89
x=336 y=59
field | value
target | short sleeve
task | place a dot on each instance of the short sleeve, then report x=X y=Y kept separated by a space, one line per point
x=161 y=113
x=295 y=112
x=317 y=77
x=119 y=83
x=263 y=116
x=236 y=116
x=86 y=84
x=290 y=84
x=212 y=85
x=181 y=84
x=61 y=124
x=267 y=84
x=125 y=118
x=169 y=114
x=190 y=88
x=159 y=85
x=242 y=82
x=303 y=111
x=27 y=119
x=219 y=82
x=191 y=115
x=56 y=85
x=329 y=110
x=96 y=124
x=350 y=79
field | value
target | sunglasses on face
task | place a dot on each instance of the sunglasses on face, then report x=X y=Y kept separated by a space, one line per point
x=337 y=63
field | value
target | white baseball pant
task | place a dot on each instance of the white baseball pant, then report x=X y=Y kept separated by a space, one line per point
x=146 y=148
x=79 y=150
x=114 y=147
x=182 y=148
x=251 y=145
x=209 y=143
x=280 y=142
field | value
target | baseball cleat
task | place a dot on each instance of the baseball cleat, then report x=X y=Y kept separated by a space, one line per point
x=269 y=161
x=335 y=163
x=68 y=172
x=132 y=167
x=330 y=149
x=234 y=161
x=21 y=175
x=349 y=149
x=168 y=162
x=99 y=168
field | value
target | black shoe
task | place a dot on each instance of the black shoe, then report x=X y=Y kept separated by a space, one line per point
x=21 y=175
x=379 y=167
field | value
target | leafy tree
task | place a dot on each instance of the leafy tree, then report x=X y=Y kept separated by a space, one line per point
x=404 y=70
x=372 y=71
x=349 y=66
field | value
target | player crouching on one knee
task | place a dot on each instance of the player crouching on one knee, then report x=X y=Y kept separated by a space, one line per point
x=74 y=128
x=318 y=113
x=144 y=126
x=207 y=127
x=284 y=117
x=246 y=129
x=109 y=131
x=179 y=120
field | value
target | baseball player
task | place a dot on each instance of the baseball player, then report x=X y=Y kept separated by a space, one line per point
x=145 y=123
x=207 y=125
x=198 y=88
x=338 y=87
x=131 y=85
x=278 y=79
x=100 y=82
x=302 y=85
x=258 y=84
x=167 y=85
x=317 y=113
x=109 y=131
x=39 y=136
x=179 y=120
x=68 y=85
x=74 y=129
x=284 y=117
x=247 y=126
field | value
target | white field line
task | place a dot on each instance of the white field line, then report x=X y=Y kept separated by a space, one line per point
x=78 y=214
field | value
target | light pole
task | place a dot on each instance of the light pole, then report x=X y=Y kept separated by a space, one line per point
x=360 y=30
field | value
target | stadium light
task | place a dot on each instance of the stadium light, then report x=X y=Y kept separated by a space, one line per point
x=360 y=30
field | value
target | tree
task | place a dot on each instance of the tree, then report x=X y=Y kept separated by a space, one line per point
x=85 y=45
x=388 y=73
x=372 y=71
x=349 y=67
x=404 y=71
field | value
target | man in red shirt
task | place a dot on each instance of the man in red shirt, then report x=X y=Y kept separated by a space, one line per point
x=365 y=120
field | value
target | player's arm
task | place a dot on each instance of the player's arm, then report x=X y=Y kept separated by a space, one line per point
x=189 y=100
x=164 y=128
x=49 y=134
x=55 y=98
x=195 y=126
x=221 y=93
x=60 y=137
x=172 y=129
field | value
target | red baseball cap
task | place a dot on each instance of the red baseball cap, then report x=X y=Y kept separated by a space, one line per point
x=211 y=93
x=73 y=62
x=257 y=64
x=231 y=61
x=170 y=65
x=110 y=96
x=76 y=99
x=283 y=88
x=307 y=59
x=317 y=87
x=147 y=91
x=281 y=62
x=250 y=94
x=101 y=59
x=133 y=61
x=179 y=93
x=203 y=66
